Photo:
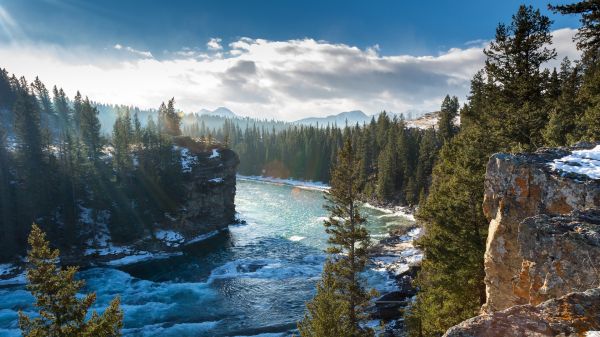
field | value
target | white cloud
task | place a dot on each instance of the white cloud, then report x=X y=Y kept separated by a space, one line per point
x=261 y=78
x=214 y=44
x=142 y=53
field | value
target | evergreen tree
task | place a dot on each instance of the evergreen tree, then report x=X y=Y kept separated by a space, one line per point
x=169 y=118
x=61 y=106
x=448 y=112
x=513 y=65
x=505 y=112
x=348 y=240
x=62 y=313
x=588 y=36
x=327 y=314
x=77 y=111
x=7 y=219
x=565 y=110
x=90 y=130
x=588 y=41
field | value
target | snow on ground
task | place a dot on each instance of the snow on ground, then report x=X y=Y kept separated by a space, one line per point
x=202 y=237
x=586 y=162
x=216 y=180
x=308 y=185
x=19 y=279
x=187 y=159
x=141 y=257
x=395 y=212
x=8 y=269
x=402 y=254
x=215 y=154
x=170 y=238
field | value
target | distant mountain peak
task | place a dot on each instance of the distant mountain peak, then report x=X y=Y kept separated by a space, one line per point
x=220 y=111
x=349 y=117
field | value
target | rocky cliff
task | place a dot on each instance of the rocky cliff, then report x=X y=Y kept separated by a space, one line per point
x=518 y=187
x=571 y=315
x=209 y=186
x=543 y=246
x=210 y=178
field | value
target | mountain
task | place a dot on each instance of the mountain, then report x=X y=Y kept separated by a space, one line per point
x=350 y=117
x=220 y=111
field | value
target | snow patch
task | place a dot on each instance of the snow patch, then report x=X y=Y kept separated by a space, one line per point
x=215 y=154
x=216 y=180
x=188 y=160
x=7 y=269
x=170 y=238
x=17 y=280
x=141 y=256
x=585 y=162
x=394 y=212
x=202 y=237
x=405 y=255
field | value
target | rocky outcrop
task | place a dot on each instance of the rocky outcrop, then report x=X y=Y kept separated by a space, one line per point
x=560 y=254
x=571 y=315
x=210 y=186
x=518 y=187
x=542 y=260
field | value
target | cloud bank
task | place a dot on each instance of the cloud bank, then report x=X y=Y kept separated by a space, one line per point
x=260 y=78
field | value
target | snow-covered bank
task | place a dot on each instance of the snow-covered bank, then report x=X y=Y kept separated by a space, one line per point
x=585 y=162
x=398 y=254
x=394 y=211
x=11 y=274
x=309 y=185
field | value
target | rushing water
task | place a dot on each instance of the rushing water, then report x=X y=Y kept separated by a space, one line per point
x=252 y=280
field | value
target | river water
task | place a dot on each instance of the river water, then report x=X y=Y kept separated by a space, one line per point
x=252 y=280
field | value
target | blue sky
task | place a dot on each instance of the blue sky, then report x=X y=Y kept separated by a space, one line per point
x=241 y=53
x=412 y=27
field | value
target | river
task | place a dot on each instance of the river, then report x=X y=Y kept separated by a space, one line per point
x=252 y=280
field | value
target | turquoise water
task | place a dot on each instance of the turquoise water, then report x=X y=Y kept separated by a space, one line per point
x=250 y=281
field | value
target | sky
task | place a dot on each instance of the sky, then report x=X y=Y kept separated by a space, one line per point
x=279 y=59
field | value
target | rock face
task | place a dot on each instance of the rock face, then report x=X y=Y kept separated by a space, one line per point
x=210 y=186
x=571 y=315
x=559 y=254
x=542 y=259
x=518 y=187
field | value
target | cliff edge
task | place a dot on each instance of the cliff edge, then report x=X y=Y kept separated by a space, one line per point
x=543 y=246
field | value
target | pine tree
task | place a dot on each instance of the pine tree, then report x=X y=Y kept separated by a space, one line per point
x=448 y=112
x=588 y=42
x=505 y=111
x=588 y=36
x=7 y=216
x=77 y=111
x=565 y=110
x=90 y=130
x=348 y=243
x=137 y=128
x=62 y=312
x=61 y=106
x=513 y=65
x=327 y=314
x=169 y=119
